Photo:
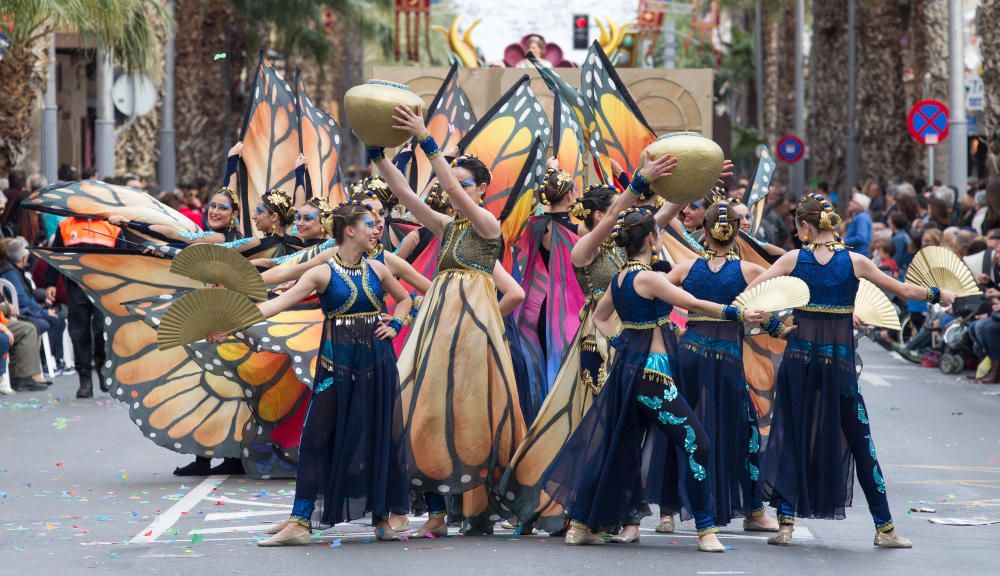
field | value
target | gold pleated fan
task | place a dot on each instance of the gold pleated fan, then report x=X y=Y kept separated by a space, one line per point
x=873 y=308
x=213 y=264
x=781 y=293
x=940 y=267
x=197 y=313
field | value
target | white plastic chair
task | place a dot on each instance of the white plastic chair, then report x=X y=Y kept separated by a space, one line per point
x=11 y=293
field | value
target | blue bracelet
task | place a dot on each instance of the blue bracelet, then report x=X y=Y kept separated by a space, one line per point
x=934 y=295
x=429 y=146
x=396 y=324
x=774 y=325
x=232 y=162
x=375 y=153
x=733 y=313
x=237 y=243
x=640 y=185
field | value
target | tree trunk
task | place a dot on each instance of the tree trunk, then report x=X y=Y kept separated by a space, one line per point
x=828 y=116
x=24 y=76
x=203 y=125
x=884 y=144
x=989 y=22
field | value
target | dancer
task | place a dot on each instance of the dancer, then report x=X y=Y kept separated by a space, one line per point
x=548 y=319
x=597 y=475
x=820 y=428
x=458 y=387
x=308 y=221
x=351 y=455
x=596 y=261
x=710 y=362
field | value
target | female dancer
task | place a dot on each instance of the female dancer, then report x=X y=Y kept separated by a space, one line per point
x=548 y=318
x=308 y=221
x=459 y=393
x=597 y=476
x=820 y=430
x=710 y=361
x=351 y=455
x=596 y=261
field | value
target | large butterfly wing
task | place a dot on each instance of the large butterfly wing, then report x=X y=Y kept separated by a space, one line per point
x=96 y=199
x=624 y=130
x=270 y=141
x=522 y=205
x=568 y=142
x=449 y=119
x=321 y=139
x=273 y=393
x=504 y=140
x=571 y=100
x=175 y=401
x=759 y=188
x=761 y=353
x=295 y=333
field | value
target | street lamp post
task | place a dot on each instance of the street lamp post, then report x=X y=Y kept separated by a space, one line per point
x=168 y=150
x=50 y=128
x=104 y=125
x=958 y=146
x=799 y=168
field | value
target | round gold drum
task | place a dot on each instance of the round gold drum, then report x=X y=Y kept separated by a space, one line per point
x=370 y=106
x=699 y=163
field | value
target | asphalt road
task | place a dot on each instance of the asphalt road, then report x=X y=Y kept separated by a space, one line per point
x=81 y=492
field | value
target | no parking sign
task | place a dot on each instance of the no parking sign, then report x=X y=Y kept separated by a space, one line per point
x=928 y=122
x=791 y=149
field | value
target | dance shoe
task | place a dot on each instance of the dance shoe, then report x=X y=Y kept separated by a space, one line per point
x=582 y=537
x=666 y=525
x=710 y=543
x=619 y=539
x=232 y=466
x=297 y=539
x=278 y=527
x=783 y=537
x=385 y=534
x=760 y=523
x=439 y=532
x=891 y=540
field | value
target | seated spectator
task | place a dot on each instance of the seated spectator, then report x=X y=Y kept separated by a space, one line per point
x=985 y=335
x=13 y=261
x=883 y=256
x=23 y=363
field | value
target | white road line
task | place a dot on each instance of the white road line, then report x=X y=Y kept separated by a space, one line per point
x=215 y=516
x=167 y=519
x=875 y=380
x=228 y=500
x=227 y=529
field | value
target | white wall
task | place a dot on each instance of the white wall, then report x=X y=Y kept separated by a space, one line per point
x=506 y=21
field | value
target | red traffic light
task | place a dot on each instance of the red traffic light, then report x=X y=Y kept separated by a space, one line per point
x=581 y=21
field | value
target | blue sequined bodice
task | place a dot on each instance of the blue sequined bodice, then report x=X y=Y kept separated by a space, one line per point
x=353 y=290
x=722 y=286
x=832 y=286
x=634 y=311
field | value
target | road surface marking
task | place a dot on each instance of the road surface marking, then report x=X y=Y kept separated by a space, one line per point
x=875 y=380
x=166 y=520
x=215 y=516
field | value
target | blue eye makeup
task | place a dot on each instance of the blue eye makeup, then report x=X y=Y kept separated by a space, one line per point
x=467 y=183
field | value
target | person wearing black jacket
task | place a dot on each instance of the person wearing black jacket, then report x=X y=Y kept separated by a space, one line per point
x=86 y=323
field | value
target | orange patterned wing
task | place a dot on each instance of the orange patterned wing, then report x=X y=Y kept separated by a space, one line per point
x=449 y=119
x=321 y=139
x=521 y=207
x=504 y=139
x=624 y=130
x=572 y=100
x=275 y=397
x=568 y=142
x=270 y=141
x=98 y=199
x=174 y=400
x=295 y=333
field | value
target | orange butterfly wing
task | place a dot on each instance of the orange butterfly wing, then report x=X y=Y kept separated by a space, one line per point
x=321 y=140
x=622 y=126
x=568 y=142
x=270 y=141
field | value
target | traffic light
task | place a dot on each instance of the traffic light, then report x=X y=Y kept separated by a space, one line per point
x=581 y=31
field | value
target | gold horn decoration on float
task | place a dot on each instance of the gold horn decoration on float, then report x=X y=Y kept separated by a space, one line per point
x=461 y=44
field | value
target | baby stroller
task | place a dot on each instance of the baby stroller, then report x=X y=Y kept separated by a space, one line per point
x=958 y=353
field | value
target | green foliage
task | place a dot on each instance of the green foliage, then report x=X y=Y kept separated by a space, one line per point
x=125 y=27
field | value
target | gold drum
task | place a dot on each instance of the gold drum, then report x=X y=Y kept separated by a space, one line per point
x=370 y=107
x=699 y=163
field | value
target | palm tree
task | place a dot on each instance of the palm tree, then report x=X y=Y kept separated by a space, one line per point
x=829 y=70
x=988 y=23
x=122 y=26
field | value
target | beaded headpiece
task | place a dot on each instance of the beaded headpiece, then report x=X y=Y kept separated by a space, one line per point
x=560 y=181
x=620 y=225
x=320 y=203
x=722 y=230
x=438 y=199
x=280 y=203
x=578 y=210
x=376 y=188
x=825 y=220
